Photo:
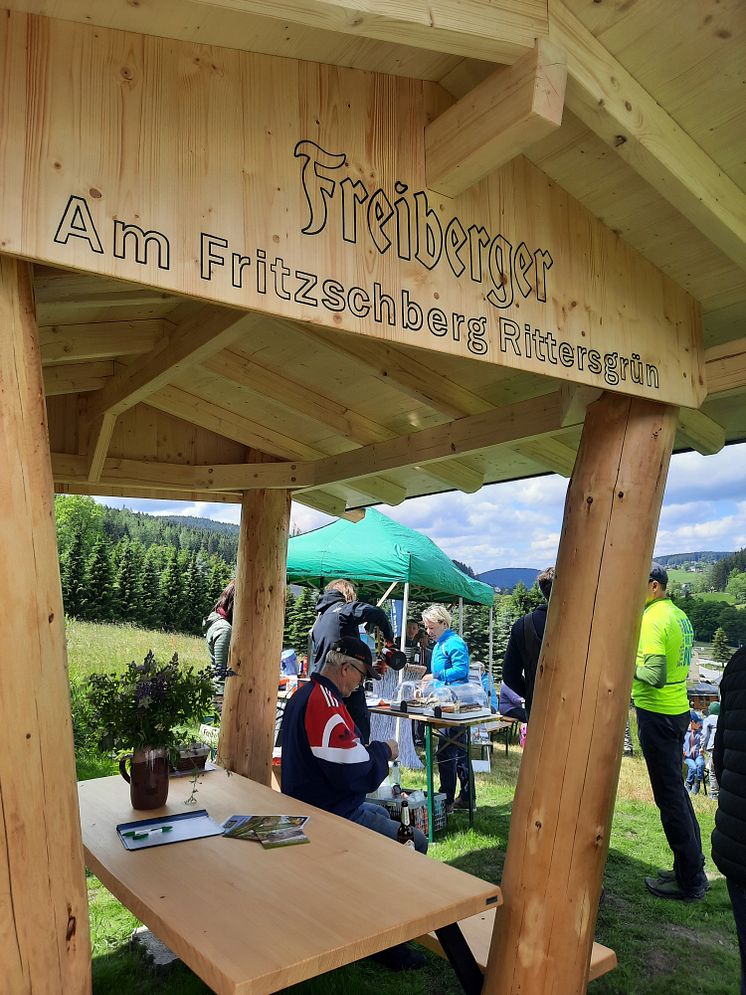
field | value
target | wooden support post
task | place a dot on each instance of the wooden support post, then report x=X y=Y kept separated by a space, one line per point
x=44 y=939
x=564 y=801
x=247 y=727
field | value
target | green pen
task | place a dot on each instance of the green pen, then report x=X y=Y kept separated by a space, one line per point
x=135 y=835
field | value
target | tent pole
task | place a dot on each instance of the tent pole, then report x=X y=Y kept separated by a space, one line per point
x=492 y=640
x=404 y=614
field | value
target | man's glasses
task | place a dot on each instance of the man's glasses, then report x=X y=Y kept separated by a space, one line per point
x=362 y=673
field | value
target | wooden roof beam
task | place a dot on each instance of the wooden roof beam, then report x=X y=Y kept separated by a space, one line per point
x=703 y=434
x=454 y=473
x=223 y=421
x=549 y=454
x=77 y=378
x=725 y=368
x=611 y=102
x=499 y=119
x=515 y=423
x=98 y=340
x=206 y=332
x=496 y=30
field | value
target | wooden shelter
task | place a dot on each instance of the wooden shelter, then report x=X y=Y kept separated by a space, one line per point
x=353 y=254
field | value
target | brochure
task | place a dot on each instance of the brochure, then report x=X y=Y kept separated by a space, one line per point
x=269 y=830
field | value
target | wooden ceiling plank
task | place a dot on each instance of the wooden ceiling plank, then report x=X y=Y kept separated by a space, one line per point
x=518 y=422
x=501 y=118
x=98 y=340
x=76 y=378
x=207 y=332
x=725 y=368
x=497 y=30
x=700 y=432
x=297 y=397
x=628 y=119
x=406 y=374
x=200 y=411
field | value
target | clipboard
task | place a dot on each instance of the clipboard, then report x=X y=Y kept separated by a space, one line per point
x=169 y=829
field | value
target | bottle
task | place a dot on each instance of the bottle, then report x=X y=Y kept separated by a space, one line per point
x=405 y=835
x=395 y=776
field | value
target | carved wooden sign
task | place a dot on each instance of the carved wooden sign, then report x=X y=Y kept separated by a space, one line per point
x=298 y=189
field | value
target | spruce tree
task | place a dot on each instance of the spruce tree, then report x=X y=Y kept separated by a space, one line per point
x=127 y=583
x=172 y=594
x=720 y=649
x=100 y=583
x=73 y=577
x=150 y=594
x=194 y=596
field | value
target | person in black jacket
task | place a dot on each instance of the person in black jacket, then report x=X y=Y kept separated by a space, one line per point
x=524 y=645
x=729 y=758
x=341 y=614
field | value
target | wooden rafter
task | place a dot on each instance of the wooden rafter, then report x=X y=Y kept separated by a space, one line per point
x=98 y=340
x=497 y=30
x=611 y=102
x=76 y=378
x=502 y=117
x=703 y=434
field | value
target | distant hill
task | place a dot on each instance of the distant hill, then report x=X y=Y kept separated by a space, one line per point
x=677 y=559
x=224 y=528
x=506 y=578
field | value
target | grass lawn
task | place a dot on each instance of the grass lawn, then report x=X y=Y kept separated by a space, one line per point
x=662 y=947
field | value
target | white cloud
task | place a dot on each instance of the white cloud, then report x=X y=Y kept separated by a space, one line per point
x=519 y=523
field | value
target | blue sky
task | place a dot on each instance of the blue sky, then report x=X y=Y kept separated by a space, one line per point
x=518 y=524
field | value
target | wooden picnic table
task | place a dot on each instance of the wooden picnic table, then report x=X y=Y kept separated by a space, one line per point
x=249 y=920
x=449 y=721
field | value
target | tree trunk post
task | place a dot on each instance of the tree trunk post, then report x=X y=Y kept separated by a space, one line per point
x=44 y=939
x=248 y=723
x=564 y=801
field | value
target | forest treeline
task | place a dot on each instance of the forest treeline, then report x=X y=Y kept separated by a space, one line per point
x=157 y=573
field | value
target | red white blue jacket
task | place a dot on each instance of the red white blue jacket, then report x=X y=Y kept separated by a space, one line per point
x=324 y=762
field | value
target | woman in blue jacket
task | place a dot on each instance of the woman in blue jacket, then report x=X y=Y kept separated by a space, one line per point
x=449 y=665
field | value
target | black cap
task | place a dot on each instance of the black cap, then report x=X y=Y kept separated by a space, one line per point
x=657 y=572
x=356 y=649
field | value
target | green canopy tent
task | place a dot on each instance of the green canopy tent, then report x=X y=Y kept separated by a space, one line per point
x=384 y=553
x=380 y=551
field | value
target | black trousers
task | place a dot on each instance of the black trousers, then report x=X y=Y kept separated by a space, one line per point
x=357 y=706
x=453 y=760
x=662 y=744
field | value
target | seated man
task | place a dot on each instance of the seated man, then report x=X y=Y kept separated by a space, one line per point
x=695 y=762
x=324 y=762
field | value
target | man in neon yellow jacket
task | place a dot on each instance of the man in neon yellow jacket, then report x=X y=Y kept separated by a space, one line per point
x=659 y=692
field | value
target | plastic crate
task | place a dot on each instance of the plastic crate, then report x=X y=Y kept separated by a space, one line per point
x=417 y=810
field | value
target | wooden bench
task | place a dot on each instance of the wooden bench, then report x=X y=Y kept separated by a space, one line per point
x=477 y=932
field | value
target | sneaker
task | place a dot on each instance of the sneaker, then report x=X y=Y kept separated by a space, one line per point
x=666 y=875
x=402 y=957
x=462 y=803
x=671 y=889
x=449 y=809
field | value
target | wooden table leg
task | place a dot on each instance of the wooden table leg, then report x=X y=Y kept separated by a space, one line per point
x=462 y=960
x=429 y=773
x=471 y=786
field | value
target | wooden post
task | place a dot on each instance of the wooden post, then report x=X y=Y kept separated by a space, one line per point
x=247 y=727
x=564 y=801
x=44 y=939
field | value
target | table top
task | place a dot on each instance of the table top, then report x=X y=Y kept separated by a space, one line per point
x=249 y=920
x=453 y=719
